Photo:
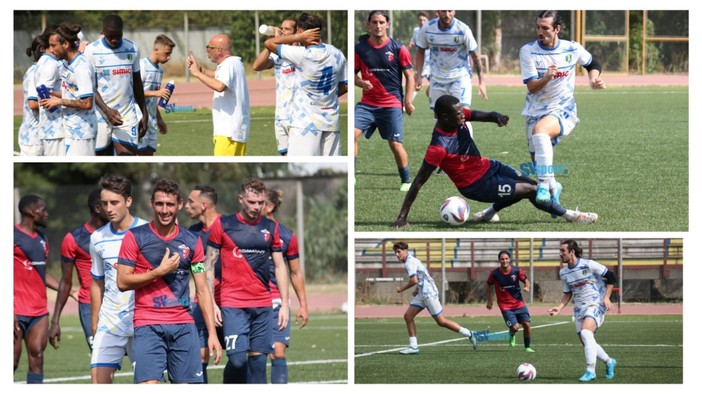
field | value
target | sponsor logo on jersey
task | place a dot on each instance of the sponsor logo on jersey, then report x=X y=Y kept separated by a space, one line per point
x=266 y=234
x=568 y=58
x=561 y=74
x=447 y=49
x=121 y=71
x=456 y=39
x=288 y=70
x=390 y=56
x=185 y=250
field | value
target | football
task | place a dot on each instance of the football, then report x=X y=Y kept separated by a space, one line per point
x=454 y=211
x=526 y=371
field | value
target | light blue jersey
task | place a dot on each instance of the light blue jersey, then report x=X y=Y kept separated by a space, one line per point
x=449 y=48
x=48 y=73
x=77 y=82
x=151 y=77
x=585 y=281
x=284 y=85
x=426 y=286
x=29 y=129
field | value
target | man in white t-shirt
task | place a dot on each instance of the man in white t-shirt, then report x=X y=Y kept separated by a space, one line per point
x=230 y=102
x=321 y=77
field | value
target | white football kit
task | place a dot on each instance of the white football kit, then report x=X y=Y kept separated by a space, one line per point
x=151 y=77
x=426 y=70
x=48 y=73
x=284 y=85
x=427 y=293
x=78 y=83
x=585 y=281
x=28 y=134
x=314 y=116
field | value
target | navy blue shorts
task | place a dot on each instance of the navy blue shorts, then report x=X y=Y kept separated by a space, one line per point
x=498 y=184
x=84 y=314
x=280 y=336
x=248 y=330
x=26 y=323
x=196 y=313
x=515 y=316
x=388 y=121
x=171 y=347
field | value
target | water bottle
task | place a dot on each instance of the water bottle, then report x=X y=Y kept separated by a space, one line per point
x=43 y=92
x=266 y=30
x=170 y=86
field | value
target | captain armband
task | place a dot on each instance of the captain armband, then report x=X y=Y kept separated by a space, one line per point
x=197 y=267
x=594 y=65
x=610 y=278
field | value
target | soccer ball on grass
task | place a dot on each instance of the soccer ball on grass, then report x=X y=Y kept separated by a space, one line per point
x=526 y=371
x=454 y=211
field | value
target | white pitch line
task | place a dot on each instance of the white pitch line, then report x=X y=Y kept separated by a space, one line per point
x=393 y=350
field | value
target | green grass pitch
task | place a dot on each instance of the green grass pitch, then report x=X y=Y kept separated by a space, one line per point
x=317 y=354
x=627 y=160
x=190 y=133
x=648 y=349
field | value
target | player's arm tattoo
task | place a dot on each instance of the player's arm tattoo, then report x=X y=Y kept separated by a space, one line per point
x=211 y=256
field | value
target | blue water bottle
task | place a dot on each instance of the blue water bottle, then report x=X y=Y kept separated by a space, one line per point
x=170 y=86
x=43 y=92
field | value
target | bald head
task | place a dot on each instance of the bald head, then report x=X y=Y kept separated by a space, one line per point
x=219 y=48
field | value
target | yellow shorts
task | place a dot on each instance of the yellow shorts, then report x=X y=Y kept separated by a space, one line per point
x=225 y=146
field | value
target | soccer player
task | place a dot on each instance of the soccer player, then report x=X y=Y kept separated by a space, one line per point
x=77 y=92
x=31 y=315
x=28 y=134
x=589 y=284
x=422 y=18
x=112 y=310
x=452 y=148
x=451 y=42
x=281 y=339
x=120 y=93
x=247 y=242
x=320 y=73
x=151 y=77
x=426 y=295
x=284 y=84
x=230 y=100
x=48 y=73
x=75 y=251
x=202 y=206
x=381 y=62
x=156 y=261
x=509 y=298
x=548 y=71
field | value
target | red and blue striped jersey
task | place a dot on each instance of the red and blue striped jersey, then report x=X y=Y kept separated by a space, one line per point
x=204 y=234
x=245 y=250
x=507 y=289
x=290 y=252
x=31 y=254
x=75 y=249
x=383 y=66
x=166 y=300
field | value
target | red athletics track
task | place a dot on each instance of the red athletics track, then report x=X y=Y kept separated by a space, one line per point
x=262 y=92
x=373 y=311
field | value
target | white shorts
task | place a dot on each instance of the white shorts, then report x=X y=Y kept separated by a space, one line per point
x=80 y=147
x=596 y=312
x=109 y=350
x=126 y=135
x=460 y=88
x=104 y=136
x=32 y=150
x=282 y=134
x=314 y=143
x=568 y=120
x=149 y=141
x=55 y=147
x=432 y=304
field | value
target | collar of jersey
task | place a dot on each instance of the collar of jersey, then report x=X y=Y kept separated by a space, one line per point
x=549 y=49
x=446 y=133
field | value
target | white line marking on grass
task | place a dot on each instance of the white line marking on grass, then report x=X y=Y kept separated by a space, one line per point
x=210 y=120
x=396 y=349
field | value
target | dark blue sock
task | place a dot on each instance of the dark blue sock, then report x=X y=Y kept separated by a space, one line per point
x=279 y=370
x=527 y=341
x=257 y=369
x=405 y=174
x=204 y=373
x=550 y=207
x=34 y=378
x=235 y=370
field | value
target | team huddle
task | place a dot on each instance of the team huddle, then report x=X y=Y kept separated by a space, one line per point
x=448 y=46
x=134 y=297
x=102 y=98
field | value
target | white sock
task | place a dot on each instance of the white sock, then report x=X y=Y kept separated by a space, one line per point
x=543 y=155
x=569 y=215
x=413 y=342
x=465 y=332
x=602 y=355
x=590 y=347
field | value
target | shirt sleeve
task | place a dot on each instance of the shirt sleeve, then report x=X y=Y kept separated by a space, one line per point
x=343 y=78
x=435 y=155
x=129 y=250
x=84 y=80
x=405 y=58
x=97 y=269
x=421 y=39
x=293 y=251
x=584 y=57
x=136 y=64
x=526 y=63
x=277 y=245
x=470 y=41
x=198 y=254
x=292 y=54
x=215 y=238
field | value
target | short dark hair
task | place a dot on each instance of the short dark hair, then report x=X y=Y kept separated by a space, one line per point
x=379 y=12
x=503 y=252
x=208 y=192
x=94 y=199
x=422 y=13
x=309 y=21
x=274 y=196
x=166 y=186
x=27 y=202
x=117 y=184
x=444 y=104
x=112 y=22
x=36 y=49
x=68 y=33
x=557 y=18
x=400 y=246
x=573 y=247
x=293 y=20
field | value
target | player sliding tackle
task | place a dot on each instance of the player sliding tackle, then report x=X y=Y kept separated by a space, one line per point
x=477 y=178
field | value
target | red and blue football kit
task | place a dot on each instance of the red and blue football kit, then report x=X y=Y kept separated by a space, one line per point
x=31 y=254
x=166 y=300
x=75 y=249
x=507 y=289
x=290 y=252
x=383 y=66
x=204 y=234
x=245 y=250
